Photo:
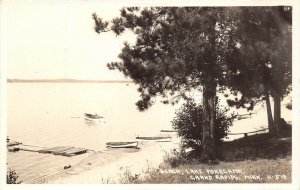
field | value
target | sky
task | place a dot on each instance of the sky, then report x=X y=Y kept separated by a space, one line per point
x=49 y=39
x=56 y=39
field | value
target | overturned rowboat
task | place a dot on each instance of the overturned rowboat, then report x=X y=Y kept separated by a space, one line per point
x=133 y=144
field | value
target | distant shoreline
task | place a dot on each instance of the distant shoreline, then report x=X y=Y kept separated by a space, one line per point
x=65 y=81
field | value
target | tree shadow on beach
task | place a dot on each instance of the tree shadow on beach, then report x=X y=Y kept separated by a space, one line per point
x=256 y=147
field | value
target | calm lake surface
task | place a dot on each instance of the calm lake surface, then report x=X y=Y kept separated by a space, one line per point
x=52 y=114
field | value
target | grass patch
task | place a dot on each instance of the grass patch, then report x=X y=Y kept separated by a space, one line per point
x=249 y=171
x=255 y=159
x=255 y=147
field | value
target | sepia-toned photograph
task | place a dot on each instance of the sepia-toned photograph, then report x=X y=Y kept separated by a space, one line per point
x=104 y=93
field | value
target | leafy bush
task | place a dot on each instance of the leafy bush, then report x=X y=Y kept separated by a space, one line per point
x=176 y=158
x=12 y=177
x=188 y=123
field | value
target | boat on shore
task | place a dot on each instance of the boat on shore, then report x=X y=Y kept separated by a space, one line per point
x=93 y=117
x=243 y=116
x=157 y=139
x=168 y=131
x=133 y=144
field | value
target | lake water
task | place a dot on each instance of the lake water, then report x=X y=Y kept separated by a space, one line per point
x=51 y=114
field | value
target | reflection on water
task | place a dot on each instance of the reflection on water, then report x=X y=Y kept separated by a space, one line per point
x=98 y=123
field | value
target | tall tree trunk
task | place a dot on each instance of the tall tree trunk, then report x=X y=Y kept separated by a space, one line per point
x=209 y=117
x=277 y=113
x=209 y=153
x=269 y=114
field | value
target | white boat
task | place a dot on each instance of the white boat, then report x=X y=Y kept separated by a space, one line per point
x=93 y=117
x=122 y=144
x=156 y=139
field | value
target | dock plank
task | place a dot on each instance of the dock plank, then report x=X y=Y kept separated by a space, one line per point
x=14 y=146
x=13 y=143
x=75 y=151
x=63 y=150
x=29 y=148
x=49 y=150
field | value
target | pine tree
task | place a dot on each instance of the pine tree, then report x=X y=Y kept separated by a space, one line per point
x=177 y=50
x=180 y=49
x=264 y=58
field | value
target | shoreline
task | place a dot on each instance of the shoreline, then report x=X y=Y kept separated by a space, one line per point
x=110 y=166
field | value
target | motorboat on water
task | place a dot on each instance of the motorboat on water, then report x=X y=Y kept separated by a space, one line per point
x=93 y=117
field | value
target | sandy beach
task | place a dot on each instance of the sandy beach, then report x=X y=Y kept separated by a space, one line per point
x=109 y=166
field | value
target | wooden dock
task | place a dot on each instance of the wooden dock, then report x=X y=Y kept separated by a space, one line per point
x=64 y=150
x=15 y=146
x=13 y=143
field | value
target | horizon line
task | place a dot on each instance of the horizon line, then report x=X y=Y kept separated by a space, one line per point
x=68 y=80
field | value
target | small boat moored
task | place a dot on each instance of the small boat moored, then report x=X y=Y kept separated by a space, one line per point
x=93 y=117
x=133 y=144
